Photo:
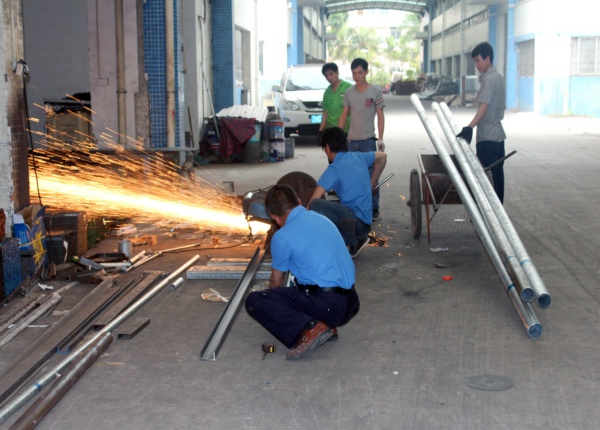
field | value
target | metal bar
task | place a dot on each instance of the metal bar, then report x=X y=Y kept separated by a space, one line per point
x=129 y=297
x=495 y=163
x=495 y=228
x=40 y=408
x=217 y=337
x=543 y=299
x=387 y=178
x=9 y=408
x=524 y=311
x=132 y=327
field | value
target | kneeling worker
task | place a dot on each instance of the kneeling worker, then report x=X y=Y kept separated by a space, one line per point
x=304 y=316
x=348 y=176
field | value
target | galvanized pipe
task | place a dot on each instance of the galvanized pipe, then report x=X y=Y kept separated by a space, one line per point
x=40 y=408
x=504 y=246
x=543 y=299
x=10 y=407
x=524 y=311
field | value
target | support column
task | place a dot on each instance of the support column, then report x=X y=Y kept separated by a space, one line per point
x=511 y=58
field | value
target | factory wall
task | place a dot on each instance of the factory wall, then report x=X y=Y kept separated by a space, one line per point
x=541 y=32
x=14 y=185
x=198 y=61
x=56 y=50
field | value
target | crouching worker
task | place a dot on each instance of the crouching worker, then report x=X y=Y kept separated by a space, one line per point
x=348 y=175
x=306 y=315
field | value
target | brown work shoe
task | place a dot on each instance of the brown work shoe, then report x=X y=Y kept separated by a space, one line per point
x=309 y=341
x=334 y=335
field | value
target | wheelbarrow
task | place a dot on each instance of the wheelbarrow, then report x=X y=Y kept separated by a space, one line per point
x=434 y=187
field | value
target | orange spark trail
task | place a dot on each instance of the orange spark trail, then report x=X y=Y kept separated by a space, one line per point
x=137 y=183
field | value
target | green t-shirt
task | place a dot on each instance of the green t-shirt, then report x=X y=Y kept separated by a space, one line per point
x=333 y=104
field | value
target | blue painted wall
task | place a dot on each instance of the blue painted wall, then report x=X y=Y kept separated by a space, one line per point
x=525 y=94
x=292 y=49
x=222 y=46
x=552 y=92
x=511 y=60
x=155 y=63
x=583 y=92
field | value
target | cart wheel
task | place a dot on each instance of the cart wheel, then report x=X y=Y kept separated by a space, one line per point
x=415 y=204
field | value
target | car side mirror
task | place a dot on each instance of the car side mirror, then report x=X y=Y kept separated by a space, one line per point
x=276 y=88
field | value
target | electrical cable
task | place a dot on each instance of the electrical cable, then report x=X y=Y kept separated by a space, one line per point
x=24 y=74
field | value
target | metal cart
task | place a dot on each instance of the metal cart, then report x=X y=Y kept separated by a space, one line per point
x=433 y=188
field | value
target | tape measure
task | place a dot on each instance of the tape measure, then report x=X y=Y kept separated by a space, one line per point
x=267 y=349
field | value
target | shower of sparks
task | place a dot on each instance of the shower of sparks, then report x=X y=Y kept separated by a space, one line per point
x=133 y=182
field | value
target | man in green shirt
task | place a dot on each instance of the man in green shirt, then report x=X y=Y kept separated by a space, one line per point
x=333 y=98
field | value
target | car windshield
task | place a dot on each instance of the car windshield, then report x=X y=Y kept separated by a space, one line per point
x=302 y=80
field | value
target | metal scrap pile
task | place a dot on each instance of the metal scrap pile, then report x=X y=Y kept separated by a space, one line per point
x=438 y=85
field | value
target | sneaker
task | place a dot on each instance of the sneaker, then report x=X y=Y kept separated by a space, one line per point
x=309 y=341
x=355 y=250
x=375 y=214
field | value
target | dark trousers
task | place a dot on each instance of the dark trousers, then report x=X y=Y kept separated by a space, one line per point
x=489 y=152
x=351 y=228
x=284 y=311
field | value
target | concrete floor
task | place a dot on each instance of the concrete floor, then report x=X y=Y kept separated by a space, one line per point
x=403 y=361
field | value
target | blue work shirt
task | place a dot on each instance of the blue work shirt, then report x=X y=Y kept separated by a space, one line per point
x=310 y=246
x=349 y=177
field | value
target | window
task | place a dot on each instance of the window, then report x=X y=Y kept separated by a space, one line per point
x=585 y=58
x=526 y=58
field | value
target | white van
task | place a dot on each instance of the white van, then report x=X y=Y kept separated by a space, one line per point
x=299 y=99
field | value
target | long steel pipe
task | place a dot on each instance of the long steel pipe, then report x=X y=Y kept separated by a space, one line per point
x=543 y=299
x=504 y=246
x=44 y=404
x=9 y=408
x=524 y=311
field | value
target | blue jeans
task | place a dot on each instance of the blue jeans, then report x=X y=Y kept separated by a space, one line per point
x=366 y=145
x=351 y=228
x=488 y=153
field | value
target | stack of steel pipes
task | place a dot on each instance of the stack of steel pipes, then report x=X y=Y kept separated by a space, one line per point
x=507 y=253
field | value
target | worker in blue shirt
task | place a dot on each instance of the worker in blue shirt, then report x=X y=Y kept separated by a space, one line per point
x=348 y=175
x=305 y=315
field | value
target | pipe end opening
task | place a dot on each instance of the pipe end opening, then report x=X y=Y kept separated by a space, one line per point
x=535 y=330
x=544 y=300
x=527 y=295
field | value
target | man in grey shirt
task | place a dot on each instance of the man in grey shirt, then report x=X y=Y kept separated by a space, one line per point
x=490 y=113
x=364 y=102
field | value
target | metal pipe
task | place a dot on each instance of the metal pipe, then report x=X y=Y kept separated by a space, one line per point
x=121 y=85
x=142 y=261
x=543 y=299
x=40 y=408
x=170 y=52
x=10 y=407
x=176 y=284
x=135 y=258
x=54 y=299
x=524 y=311
x=504 y=246
x=217 y=337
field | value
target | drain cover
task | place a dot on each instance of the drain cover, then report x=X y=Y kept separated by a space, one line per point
x=489 y=382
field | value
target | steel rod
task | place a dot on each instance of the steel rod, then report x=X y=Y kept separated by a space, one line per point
x=524 y=311
x=543 y=299
x=10 y=407
x=40 y=408
x=504 y=245
x=215 y=340
x=54 y=299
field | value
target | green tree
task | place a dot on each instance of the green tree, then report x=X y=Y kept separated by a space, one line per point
x=409 y=47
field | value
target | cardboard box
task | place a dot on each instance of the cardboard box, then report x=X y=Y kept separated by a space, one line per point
x=29 y=228
x=69 y=128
